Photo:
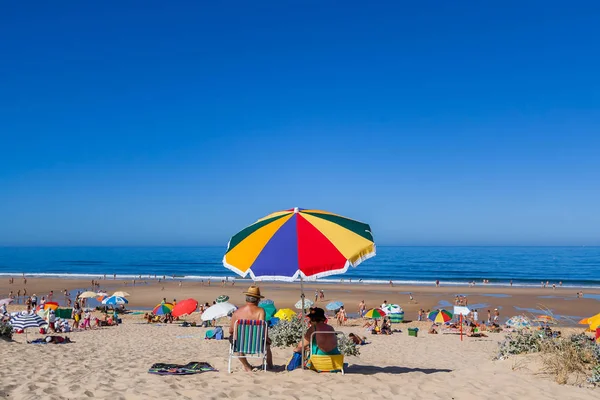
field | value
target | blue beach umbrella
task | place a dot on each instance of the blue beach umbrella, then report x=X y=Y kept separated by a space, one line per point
x=334 y=305
x=115 y=300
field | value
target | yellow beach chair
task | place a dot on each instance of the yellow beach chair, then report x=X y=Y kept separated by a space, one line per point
x=325 y=363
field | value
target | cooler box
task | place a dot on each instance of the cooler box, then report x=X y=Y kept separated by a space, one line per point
x=413 y=332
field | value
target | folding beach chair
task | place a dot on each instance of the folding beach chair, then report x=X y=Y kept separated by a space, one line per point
x=325 y=363
x=249 y=341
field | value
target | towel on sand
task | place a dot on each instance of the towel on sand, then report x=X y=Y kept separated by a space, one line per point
x=177 y=369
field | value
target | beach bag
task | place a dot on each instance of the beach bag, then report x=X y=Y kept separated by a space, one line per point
x=294 y=362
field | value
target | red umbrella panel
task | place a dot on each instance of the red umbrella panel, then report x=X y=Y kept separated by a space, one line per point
x=185 y=307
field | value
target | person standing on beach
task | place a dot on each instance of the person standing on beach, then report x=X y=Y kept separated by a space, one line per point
x=511 y=283
x=475 y=316
x=489 y=319
x=361 y=308
x=316 y=295
x=496 y=316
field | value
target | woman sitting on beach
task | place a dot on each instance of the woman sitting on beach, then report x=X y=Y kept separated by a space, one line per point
x=386 y=326
x=433 y=330
x=473 y=331
x=320 y=344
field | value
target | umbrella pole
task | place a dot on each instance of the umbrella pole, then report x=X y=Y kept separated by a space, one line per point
x=302 y=298
x=461 y=327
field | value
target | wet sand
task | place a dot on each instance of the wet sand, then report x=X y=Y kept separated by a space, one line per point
x=509 y=300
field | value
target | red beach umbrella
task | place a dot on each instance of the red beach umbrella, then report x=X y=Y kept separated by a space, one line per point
x=184 y=307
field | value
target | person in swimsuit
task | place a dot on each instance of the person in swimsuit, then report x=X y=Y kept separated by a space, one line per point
x=320 y=344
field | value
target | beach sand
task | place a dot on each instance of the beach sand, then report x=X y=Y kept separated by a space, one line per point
x=113 y=362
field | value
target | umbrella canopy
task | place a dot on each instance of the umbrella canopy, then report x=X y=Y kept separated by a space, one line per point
x=375 y=313
x=270 y=310
x=518 y=322
x=334 y=305
x=218 y=310
x=396 y=318
x=162 y=309
x=88 y=295
x=24 y=321
x=392 y=309
x=307 y=304
x=114 y=300
x=121 y=294
x=593 y=322
x=285 y=314
x=546 y=319
x=222 y=298
x=50 y=305
x=266 y=301
x=6 y=301
x=184 y=307
x=440 y=316
x=297 y=243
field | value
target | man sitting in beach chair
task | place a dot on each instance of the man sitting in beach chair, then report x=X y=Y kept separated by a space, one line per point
x=248 y=332
x=321 y=342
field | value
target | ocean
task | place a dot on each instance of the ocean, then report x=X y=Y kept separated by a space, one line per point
x=525 y=266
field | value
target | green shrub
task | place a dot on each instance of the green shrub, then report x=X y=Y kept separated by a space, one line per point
x=6 y=331
x=519 y=342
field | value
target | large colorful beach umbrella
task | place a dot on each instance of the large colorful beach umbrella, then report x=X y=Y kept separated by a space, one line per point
x=299 y=243
x=334 y=305
x=375 y=313
x=440 y=316
x=285 y=314
x=163 y=309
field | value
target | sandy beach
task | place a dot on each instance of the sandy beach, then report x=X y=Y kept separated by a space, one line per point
x=113 y=362
x=147 y=293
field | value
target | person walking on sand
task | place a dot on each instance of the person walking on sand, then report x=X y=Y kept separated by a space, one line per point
x=253 y=312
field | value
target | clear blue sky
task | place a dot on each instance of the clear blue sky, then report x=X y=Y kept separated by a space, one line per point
x=178 y=123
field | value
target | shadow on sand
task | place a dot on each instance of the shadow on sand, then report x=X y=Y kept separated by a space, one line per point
x=371 y=369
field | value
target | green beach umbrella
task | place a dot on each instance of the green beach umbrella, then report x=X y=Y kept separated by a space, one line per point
x=222 y=298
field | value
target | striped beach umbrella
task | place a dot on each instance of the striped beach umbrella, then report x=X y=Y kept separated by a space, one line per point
x=334 y=305
x=222 y=298
x=440 y=316
x=299 y=243
x=375 y=313
x=115 y=300
x=392 y=309
x=396 y=318
x=162 y=309
x=26 y=321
